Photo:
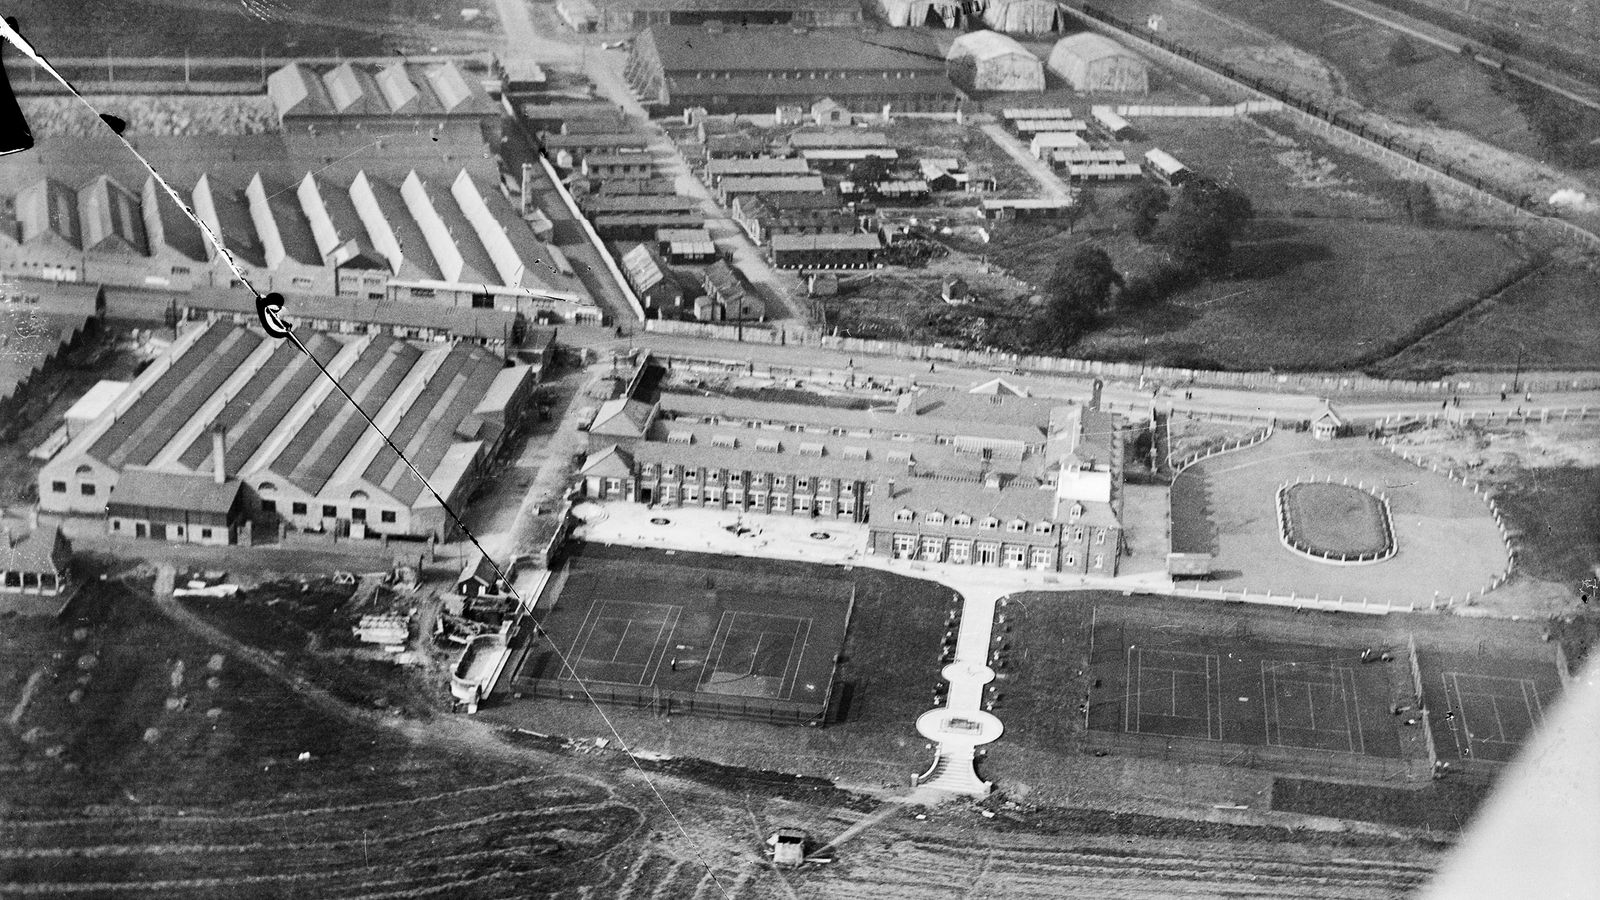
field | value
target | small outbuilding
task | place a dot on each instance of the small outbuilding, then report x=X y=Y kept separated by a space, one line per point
x=987 y=61
x=1092 y=63
x=828 y=111
x=787 y=846
x=38 y=564
x=918 y=13
x=1328 y=425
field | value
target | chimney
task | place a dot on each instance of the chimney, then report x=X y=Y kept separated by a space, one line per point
x=219 y=446
x=891 y=489
x=1094 y=398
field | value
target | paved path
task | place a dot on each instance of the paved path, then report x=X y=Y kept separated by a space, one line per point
x=1050 y=184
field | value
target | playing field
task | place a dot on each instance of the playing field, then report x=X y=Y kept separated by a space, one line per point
x=694 y=634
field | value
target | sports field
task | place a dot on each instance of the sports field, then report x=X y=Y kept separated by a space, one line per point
x=704 y=636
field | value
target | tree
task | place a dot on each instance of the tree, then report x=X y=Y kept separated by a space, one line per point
x=1200 y=228
x=1404 y=52
x=1146 y=202
x=1079 y=293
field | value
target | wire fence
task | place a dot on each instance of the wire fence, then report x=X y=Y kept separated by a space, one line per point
x=667 y=703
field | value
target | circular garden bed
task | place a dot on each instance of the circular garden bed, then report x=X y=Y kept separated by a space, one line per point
x=1337 y=523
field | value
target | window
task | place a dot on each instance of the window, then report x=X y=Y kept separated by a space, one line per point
x=180 y=270
x=421 y=292
x=961 y=552
x=989 y=523
x=116 y=524
x=87 y=489
x=1071 y=560
x=1016 y=556
x=269 y=506
x=905 y=545
x=1041 y=528
x=672 y=471
x=386 y=516
x=934 y=518
x=329 y=511
x=781 y=482
x=1100 y=536
x=298 y=509
x=1041 y=558
x=1077 y=512
x=736 y=478
x=1099 y=560
x=613 y=484
x=903 y=515
x=802 y=484
x=932 y=549
x=1016 y=526
x=1077 y=534
x=962 y=521
x=358 y=514
x=205 y=534
x=58 y=487
x=300 y=281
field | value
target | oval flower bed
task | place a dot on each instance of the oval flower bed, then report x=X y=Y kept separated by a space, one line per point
x=1337 y=523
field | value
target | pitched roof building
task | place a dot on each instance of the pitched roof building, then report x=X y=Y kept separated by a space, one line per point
x=400 y=96
x=757 y=69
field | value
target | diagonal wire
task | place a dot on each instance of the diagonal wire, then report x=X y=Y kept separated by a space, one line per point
x=11 y=35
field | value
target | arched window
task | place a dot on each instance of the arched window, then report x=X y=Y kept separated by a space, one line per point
x=84 y=471
x=358 y=495
x=267 y=487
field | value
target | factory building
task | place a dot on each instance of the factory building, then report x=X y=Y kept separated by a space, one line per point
x=234 y=433
x=401 y=96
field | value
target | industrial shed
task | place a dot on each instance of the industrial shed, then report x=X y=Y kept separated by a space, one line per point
x=986 y=61
x=1023 y=16
x=1095 y=64
x=917 y=13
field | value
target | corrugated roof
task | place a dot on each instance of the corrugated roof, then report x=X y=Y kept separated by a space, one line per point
x=175 y=491
x=412 y=257
x=282 y=223
x=226 y=211
x=449 y=86
x=772 y=184
x=344 y=89
x=641 y=268
x=1088 y=46
x=795 y=243
x=821 y=140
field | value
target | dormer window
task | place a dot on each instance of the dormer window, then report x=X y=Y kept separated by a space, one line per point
x=1077 y=512
x=1017 y=526
x=1041 y=528
x=934 y=518
x=962 y=521
x=904 y=515
x=989 y=523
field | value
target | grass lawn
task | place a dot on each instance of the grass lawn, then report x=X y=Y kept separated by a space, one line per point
x=1552 y=318
x=1336 y=519
x=890 y=665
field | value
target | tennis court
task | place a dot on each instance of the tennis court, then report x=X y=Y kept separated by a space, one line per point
x=1166 y=684
x=692 y=633
x=1490 y=715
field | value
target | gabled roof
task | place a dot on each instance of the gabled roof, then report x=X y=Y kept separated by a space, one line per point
x=613 y=462
x=396 y=87
x=449 y=86
x=48 y=211
x=42 y=551
x=174 y=490
x=999 y=386
x=622 y=417
x=640 y=265
x=294 y=89
x=110 y=217
x=1329 y=415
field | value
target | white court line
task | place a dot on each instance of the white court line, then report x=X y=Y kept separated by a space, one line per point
x=1217 y=690
x=674 y=615
x=797 y=643
x=719 y=640
x=622 y=639
x=1266 y=720
x=1461 y=712
x=644 y=667
x=573 y=653
x=1134 y=689
x=1352 y=709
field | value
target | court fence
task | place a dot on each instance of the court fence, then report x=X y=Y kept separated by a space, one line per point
x=1292 y=761
x=667 y=703
x=1427 y=720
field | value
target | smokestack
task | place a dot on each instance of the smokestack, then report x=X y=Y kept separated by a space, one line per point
x=219 y=446
x=1094 y=398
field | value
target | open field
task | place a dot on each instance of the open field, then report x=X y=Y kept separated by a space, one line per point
x=1448 y=543
x=146 y=760
x=1552 y=318
x=1336 y=519
x=890 y=665
x=707 y=639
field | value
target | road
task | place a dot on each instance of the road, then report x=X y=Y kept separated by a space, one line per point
x=527 y=39
x=1050 y=184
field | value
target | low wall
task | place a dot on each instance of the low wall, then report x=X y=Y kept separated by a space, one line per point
x=1286 y=530
x=1242 y=108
